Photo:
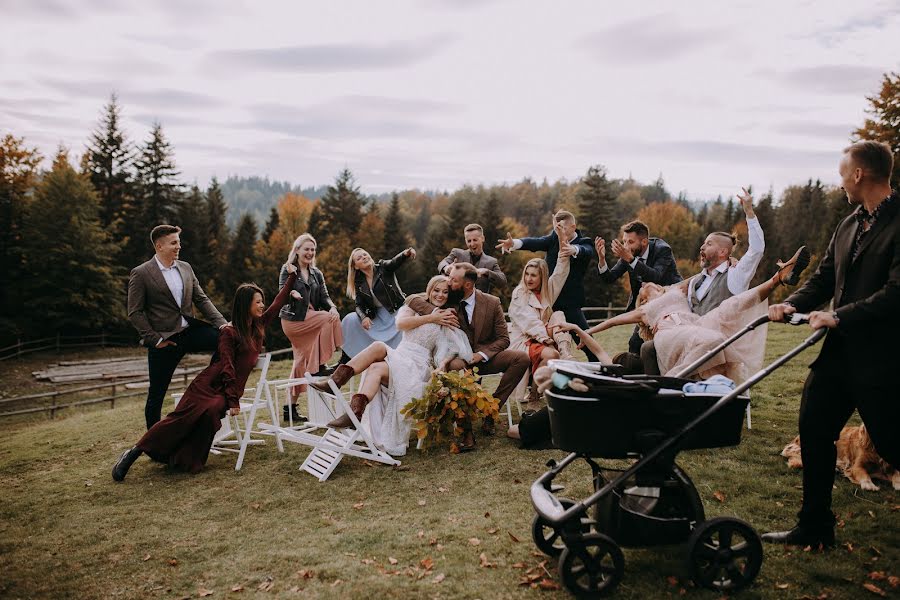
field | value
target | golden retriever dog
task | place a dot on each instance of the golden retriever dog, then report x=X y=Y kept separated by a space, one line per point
x=856 y=459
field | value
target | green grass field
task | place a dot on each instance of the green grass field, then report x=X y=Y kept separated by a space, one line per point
x=442 y=526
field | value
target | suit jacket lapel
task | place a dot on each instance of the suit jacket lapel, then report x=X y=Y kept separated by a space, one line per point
x=185 y=289
x=880 y=224
x=842 y=247
x=157 y=277
x=477 y=323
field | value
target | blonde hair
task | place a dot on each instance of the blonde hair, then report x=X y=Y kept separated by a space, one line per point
x=351 y=274
x=426 y=295
x=544 y=271
x=644 y=331
x=302 y=239
x=563 y=215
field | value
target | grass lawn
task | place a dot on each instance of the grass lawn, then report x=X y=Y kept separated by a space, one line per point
x=443 y=526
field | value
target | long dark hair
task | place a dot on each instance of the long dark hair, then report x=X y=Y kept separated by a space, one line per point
x=250 y=331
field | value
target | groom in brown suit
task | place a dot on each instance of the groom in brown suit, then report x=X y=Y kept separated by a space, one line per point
x=161 y=295
x=481 y=318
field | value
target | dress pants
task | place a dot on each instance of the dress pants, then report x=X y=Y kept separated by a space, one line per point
x=512 y=363
x=829 y=397
x=162 y=362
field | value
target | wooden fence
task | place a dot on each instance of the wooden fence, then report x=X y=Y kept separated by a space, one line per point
x=125 y=388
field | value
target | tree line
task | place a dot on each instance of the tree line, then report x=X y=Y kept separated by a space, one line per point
x=70 y=234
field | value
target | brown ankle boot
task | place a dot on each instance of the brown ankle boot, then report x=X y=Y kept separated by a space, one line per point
x=342 y=374
x=358 y=405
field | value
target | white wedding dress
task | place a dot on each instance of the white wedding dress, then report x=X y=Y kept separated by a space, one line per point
x=410 y=365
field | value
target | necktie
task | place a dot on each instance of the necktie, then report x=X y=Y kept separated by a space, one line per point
x=463 y=314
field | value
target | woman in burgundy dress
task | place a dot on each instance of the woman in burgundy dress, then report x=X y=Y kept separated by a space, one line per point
x=184 y=437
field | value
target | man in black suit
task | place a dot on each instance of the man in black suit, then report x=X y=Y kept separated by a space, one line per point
x=860 y=274
x=644 y=259
x=571 y=298
x=162 y=294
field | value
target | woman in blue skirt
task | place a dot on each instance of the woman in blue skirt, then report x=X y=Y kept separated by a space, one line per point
x=377 y=294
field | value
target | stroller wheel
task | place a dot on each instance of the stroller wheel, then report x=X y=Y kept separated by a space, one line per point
x=724 y=554
x=592 y=569
x=548 y=539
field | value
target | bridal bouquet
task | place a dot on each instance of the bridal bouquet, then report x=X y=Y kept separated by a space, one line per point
x=451 y=400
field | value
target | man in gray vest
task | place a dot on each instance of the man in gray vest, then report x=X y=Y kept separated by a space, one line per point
x=721 y=278
x=489 y=273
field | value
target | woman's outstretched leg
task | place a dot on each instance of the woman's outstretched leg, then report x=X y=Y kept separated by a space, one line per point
x=788 y=274
x=375 y=352
x=376 y=374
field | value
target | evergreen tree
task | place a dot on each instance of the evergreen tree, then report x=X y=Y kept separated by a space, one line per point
x=396 y=236
x=18 y=172
x=241 y=256
x=371 y=232
x=315 y=226
x=271 y=224
x=423 y=220
x=192 y=219
x=159 y=190
x=596 y=205
x=71 y=256
x=341 y=208
x=108 y=160
x=490 y=222
x=217 y=238
x=765 y=213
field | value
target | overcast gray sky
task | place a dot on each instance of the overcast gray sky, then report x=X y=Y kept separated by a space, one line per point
x=438 y=93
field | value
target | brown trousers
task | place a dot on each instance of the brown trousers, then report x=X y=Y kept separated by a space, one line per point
x=512 y=363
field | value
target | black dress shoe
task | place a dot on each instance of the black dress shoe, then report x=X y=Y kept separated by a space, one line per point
x=325 y=371
x=124 y=463
x=802 y=536
x=291 y=414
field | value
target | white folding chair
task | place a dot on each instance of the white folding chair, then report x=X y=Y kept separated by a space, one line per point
x=237 y=431
x=329 y=448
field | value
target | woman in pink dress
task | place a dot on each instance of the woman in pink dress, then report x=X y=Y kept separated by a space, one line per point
x=184 y=437
x=681 y=337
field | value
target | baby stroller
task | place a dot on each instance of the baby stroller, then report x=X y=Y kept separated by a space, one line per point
x=652 y=502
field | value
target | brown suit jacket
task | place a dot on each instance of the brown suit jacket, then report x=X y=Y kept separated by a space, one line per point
x=487 y=332
x=865 y=294
x=152 y=308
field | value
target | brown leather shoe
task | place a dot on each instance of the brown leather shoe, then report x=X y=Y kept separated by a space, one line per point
x=342 y=374
x=467 y=443
x=487 y=426
x=358 y=405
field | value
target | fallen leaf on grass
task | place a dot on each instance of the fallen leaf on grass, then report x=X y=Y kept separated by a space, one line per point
x=443 y=489
x=255 y=505
x=848 y=546
x=474 y=541
x=438 y=578
x=421 y=503
x=336 y=582
x=493 y=531
x=421 y=533
x=368 y=463
x=512 y=537
x=517 y=480
x=782 y=586
x=266 y=585
x=672 y=580
x=359 y=505
x=432 y=541
x=237 y=588
x=392 y=560
x=439 y=547
x=718 y=495
x=875 y=589
x=88 y=483
x=548 y=584
x=485 y=564
x=518 y=565
x=486 y=515
x=877 y=575
x=173 y=562
x=872 y=514
x=894 y=581
x=146 y=558
x=427 y=563
x=305 y=574
x=203 y=592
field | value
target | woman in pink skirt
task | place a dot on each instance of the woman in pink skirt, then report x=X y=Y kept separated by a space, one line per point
x=310 y=320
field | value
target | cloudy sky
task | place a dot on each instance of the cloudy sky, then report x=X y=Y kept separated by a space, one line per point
x=437 y=93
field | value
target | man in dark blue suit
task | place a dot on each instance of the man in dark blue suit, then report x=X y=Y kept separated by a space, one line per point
x=571 y=298
x=644 y=259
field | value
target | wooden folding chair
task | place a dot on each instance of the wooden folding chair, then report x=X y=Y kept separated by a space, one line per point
x=330 y=447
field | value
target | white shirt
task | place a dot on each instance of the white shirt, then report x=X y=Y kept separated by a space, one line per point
x=739 y=276
x=632 y=264
x=470 y=310
x=517 y=243
x=176 y=284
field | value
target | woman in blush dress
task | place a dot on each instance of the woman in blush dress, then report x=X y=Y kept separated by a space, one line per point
x=309 y=320
x=394 y=376
x=183 y=438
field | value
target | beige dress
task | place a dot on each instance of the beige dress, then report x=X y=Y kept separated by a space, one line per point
x=681 y=337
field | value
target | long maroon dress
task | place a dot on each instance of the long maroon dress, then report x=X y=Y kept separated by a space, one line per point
x=183 y=438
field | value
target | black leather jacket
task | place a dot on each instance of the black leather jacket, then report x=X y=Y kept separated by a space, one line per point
x=313 y=292
x=387 y=290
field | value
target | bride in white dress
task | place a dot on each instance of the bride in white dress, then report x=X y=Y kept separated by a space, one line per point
x=393 y=377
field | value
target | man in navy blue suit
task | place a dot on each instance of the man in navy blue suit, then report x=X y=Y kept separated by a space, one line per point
x=644 y=259
x=571 y=298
